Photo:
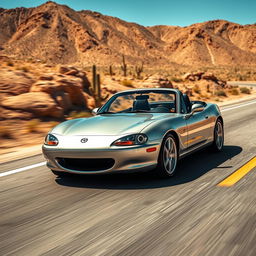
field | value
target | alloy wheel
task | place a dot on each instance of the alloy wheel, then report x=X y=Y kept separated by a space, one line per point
x=170 y=155
x=219 y=135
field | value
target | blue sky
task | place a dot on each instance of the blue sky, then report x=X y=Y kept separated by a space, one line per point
x=160 y=12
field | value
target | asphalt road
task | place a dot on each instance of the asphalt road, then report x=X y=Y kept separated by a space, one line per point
x=137 y=214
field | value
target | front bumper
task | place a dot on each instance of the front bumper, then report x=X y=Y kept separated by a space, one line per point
x=131 y=159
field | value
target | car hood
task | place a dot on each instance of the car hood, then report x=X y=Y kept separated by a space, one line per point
x=109 y=124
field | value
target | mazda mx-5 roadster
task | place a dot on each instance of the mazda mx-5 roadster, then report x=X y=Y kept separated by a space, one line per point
x=135 y=130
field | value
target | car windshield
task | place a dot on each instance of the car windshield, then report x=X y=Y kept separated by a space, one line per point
x=141 y=101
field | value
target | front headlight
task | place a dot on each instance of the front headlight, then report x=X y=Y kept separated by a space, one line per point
x=51 y=140
x=135 y=139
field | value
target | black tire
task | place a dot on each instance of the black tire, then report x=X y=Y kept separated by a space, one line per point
x=168 y=157
x=218 y=142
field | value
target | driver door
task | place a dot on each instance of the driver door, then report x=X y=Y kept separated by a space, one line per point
x=197 y=127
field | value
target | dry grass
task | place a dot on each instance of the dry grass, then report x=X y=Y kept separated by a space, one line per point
x=245 y=90
x=5 y=132
x=242 y=73
x=176 y=79
x=221 y=93
x=77 y=114
x=10 y=63
x=196 y=89
x=205 y=96
x=22 y=68
x=33 y=125
x=127 y=83
x=234 y=91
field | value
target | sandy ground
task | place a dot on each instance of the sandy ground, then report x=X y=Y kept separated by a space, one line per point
x=22 y=143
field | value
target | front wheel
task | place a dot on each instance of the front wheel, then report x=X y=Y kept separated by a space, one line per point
x=218 y=142
x=168 y=157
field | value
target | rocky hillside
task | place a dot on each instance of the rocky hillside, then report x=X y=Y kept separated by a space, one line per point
x=56 y=33
x=41 y=93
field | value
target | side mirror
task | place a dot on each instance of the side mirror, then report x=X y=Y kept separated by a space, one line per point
x=197 y=108
x=95 y=111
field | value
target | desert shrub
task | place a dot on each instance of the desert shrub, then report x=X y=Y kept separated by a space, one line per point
x=205 y=96
x=24 y=69
x=77 y=114
x=241 y=77
x=9 y=63
x=220 y=93
x=176 y=79
x=127 y=83
x=234 y=91
x=32 y=125
x=30 y=59
x=197 y=89
x=5 y=132
x=245 y=90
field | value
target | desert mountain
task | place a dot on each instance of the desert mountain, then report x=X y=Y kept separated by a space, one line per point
x=58 y=34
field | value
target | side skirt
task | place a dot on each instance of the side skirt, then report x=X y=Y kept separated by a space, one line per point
x=193 y=150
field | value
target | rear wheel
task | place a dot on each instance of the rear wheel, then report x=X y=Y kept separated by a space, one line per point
x=218 y=142
x=168 y=157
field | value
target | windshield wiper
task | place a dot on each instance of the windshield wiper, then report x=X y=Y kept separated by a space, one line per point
x=105 y=112
x=139 y=111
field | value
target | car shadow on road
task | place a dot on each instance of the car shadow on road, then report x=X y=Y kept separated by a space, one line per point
x=189 y=169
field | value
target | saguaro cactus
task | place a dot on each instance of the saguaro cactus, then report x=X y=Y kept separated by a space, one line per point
x=139 y=70
x=96 y=87
x=111 y=70
x=94 y=77
x=98 y=91
x=124 y=66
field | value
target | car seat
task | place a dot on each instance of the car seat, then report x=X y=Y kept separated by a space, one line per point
x=187 y=102
x=141 y=104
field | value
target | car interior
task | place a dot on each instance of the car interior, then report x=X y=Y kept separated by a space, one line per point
x=187 y=103
x=141 y=104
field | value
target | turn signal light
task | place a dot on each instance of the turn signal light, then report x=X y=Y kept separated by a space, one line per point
x=52 y=143
x=151 y=149
x=124 y=143
x=129 y=140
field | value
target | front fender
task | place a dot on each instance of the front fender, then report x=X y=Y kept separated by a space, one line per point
x=156 y=131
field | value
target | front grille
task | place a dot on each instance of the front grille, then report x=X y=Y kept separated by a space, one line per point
x=86 y=164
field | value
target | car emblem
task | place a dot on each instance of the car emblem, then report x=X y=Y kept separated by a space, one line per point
x=84 y=140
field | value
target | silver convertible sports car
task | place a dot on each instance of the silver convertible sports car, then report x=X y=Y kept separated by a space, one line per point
x=135 y=130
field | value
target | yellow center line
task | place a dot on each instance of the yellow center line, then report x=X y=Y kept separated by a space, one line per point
x=239 y=174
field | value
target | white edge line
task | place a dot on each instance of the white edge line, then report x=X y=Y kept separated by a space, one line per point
x=243 y=105
x=22 y=169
